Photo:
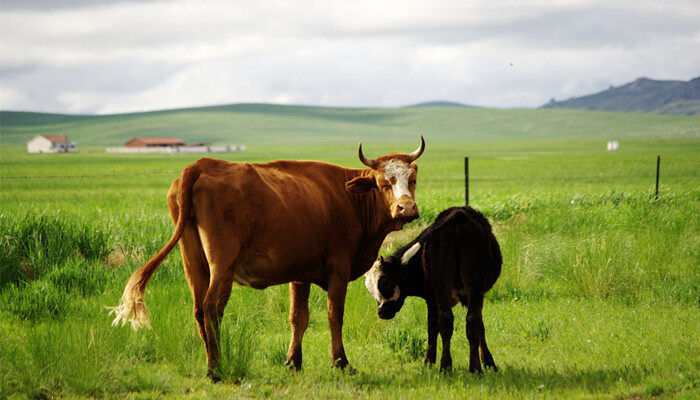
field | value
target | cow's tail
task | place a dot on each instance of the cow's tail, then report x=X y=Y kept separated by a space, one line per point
x=132 y=298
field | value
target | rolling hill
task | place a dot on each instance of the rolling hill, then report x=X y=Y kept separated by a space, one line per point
x=643 y=95
x=439 y=103
x=268 y=124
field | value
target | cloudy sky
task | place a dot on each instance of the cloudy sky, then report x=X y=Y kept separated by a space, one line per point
x=82 y=56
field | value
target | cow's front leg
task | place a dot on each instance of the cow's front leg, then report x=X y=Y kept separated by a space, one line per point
x=298 y=319
x=337 y=287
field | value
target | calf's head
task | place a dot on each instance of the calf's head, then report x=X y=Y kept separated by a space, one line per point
x=384 y=282
x=394 y=176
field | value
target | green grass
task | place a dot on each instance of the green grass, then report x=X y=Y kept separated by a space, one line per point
x=599 y=295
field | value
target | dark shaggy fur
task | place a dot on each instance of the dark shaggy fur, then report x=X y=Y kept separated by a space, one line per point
x=459 y=260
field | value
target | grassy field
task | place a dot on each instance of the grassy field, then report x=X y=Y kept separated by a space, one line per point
x=599 y=295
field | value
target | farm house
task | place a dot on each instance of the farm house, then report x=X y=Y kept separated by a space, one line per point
x=155 y=142
x=170 y=145
x=51 y=144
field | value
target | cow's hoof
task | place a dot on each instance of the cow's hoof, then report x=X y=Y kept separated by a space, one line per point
x=476 y=370
x=344 y=366
x=293 y=366
x=429 y=361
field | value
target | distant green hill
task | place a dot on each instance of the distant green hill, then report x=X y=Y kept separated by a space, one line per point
x=642 y=95
x=439 y=104
x=268 y=124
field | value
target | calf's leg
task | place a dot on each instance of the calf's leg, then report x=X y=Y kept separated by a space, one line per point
x=431 y=349
x=298 y=319
x=475 y=329
x=446 y=322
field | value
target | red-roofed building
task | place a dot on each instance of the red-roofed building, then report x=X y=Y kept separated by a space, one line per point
x=155 y=142
x=51 y=144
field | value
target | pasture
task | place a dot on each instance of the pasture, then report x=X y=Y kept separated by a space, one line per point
x=599 y=295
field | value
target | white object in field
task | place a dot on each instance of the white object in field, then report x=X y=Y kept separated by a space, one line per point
x=51 y=144
x=613 y=145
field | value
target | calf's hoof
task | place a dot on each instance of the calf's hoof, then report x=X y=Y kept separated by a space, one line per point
x=215 y=377
x=445 y=367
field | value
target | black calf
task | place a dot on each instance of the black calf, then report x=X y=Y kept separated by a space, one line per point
x=455 y=259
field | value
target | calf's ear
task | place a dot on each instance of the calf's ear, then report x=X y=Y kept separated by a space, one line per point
x=361 y=184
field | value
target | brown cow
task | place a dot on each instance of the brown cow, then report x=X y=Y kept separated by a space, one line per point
x=260 y=225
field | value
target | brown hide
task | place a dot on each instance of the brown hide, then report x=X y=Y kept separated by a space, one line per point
x=280 y=222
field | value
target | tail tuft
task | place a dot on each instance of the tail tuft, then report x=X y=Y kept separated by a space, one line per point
x=131 y=303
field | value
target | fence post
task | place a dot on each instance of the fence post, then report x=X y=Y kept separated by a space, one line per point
x=658 y=164
x=466 y=180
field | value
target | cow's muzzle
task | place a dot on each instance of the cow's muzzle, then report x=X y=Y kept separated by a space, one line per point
x=406 y=210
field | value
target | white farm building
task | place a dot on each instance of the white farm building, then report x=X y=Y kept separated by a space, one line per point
x=51 y=144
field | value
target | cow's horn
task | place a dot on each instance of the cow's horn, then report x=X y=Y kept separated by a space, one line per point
x=372 y=163
x=413 y=156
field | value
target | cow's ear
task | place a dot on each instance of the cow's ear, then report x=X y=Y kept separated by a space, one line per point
x=361 y=184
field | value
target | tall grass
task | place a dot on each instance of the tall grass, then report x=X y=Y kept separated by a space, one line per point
x=237 y=346
x=33 y=245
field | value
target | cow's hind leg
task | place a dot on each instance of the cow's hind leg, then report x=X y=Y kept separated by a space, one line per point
x=298 y=319
x=197 y=273
x=214 y=304
x=195 y=264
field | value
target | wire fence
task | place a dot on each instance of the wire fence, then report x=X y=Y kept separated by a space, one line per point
x=500 y=159
x=643 y=166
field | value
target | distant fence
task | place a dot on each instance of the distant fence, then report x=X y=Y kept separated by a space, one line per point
x=176 y=149
x=453 y=180
x=656 y=186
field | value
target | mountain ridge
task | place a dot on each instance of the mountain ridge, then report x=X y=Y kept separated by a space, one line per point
x=643 y=95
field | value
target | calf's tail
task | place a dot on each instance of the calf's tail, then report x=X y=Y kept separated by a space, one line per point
x=131 y=306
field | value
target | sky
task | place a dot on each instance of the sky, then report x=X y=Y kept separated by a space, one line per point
x=114 y=56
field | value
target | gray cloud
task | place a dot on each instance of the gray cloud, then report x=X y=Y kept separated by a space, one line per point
x=130 y=56
x=44 y=5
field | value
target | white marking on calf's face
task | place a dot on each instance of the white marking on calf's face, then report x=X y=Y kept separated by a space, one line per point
x=400 y=172
x=372 y=280
x=406 y=257
x=372 y=284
